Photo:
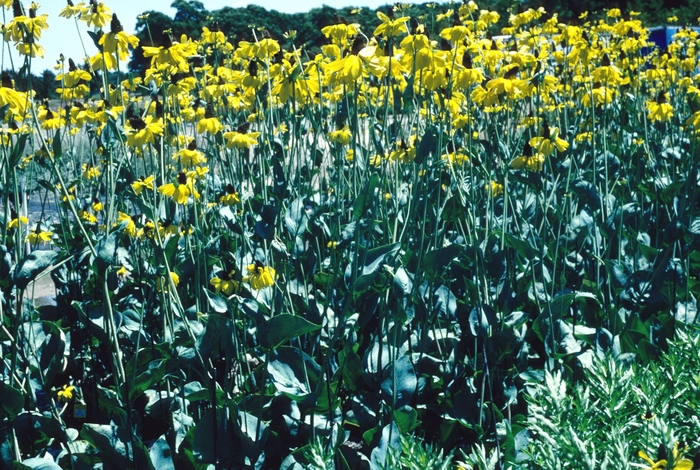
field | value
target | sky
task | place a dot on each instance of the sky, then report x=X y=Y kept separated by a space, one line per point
x=62 y=37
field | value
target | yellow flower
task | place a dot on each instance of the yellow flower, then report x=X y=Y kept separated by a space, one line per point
x=26 y=28
x=495 y=188
x=260 y=276
x=346 y=70
x=209 y=123
x=528 y=161
x=140 y=133
x=173 y=54
x=14 y=223
x=98 y=15
x=225 y=284
x=241 y=140
x=130 y=228
x=88 y=217
x=181 y=191
x=73 y=10
x=143 y=183
x=674 y=462
x=341 y=33
x=341 y=136
x=190 y=156
x=66 y=393
x=389 y=26
x=117 y=43
x=404 y=153
x=163 y=286
x=38 y=236
x=659 y=110
x=231 y=197
x=90 y=172
x=49 y=120
x=8 y=96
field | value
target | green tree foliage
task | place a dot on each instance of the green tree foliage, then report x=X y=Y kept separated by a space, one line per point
x=44 y=85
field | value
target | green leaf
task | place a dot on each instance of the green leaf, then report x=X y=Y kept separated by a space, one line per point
x=295 y=218
x=106 y=251
x=406 y=419
x=161 y=455
x=151 y=374
x=117 y=445
x=94 y=320
x=37 y=427
x=364 y=199
x=56 y=144
x=391 y=439
x=18 y=150
x=428 y=145
x=481 y=321
x=435 y=261
x=11 y=401
x=370 y=263
x=293 y=372
x=216 y=302
x=281 y=328
x=32 y=265
x=36 y=464
x=213 y=438
x=187 y=453
x=522 y=247
x=217 y=337
x=400 y=382
x=454 y=209
x=350 y=368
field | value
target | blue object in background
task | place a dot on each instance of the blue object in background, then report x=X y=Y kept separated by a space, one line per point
x=663 y=35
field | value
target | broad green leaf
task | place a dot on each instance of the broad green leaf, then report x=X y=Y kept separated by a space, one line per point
x=147 y=377
x=482 y=320
x=391 y=439
x=56 y=144
x=161 y=455
x=370 y=262
x=11 y=401
x=293 y=372
x=296 y=218
x=428 y=144
x=216 y=302
x=107 y=251
x=214 y=439
x=217 y=338
x=406 y=419
x=364 y=199
x=37 y=427
x=399 y=382
x=32 y=265
x=37 y=464
x=281 y=328
x=18 y=150
x=435 y=261
x=118 y=445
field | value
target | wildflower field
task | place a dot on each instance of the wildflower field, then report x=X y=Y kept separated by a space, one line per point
x=422 y=246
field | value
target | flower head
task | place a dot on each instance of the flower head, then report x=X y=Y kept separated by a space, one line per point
x=66 y=393
x=226 y=283
x=260 y=276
